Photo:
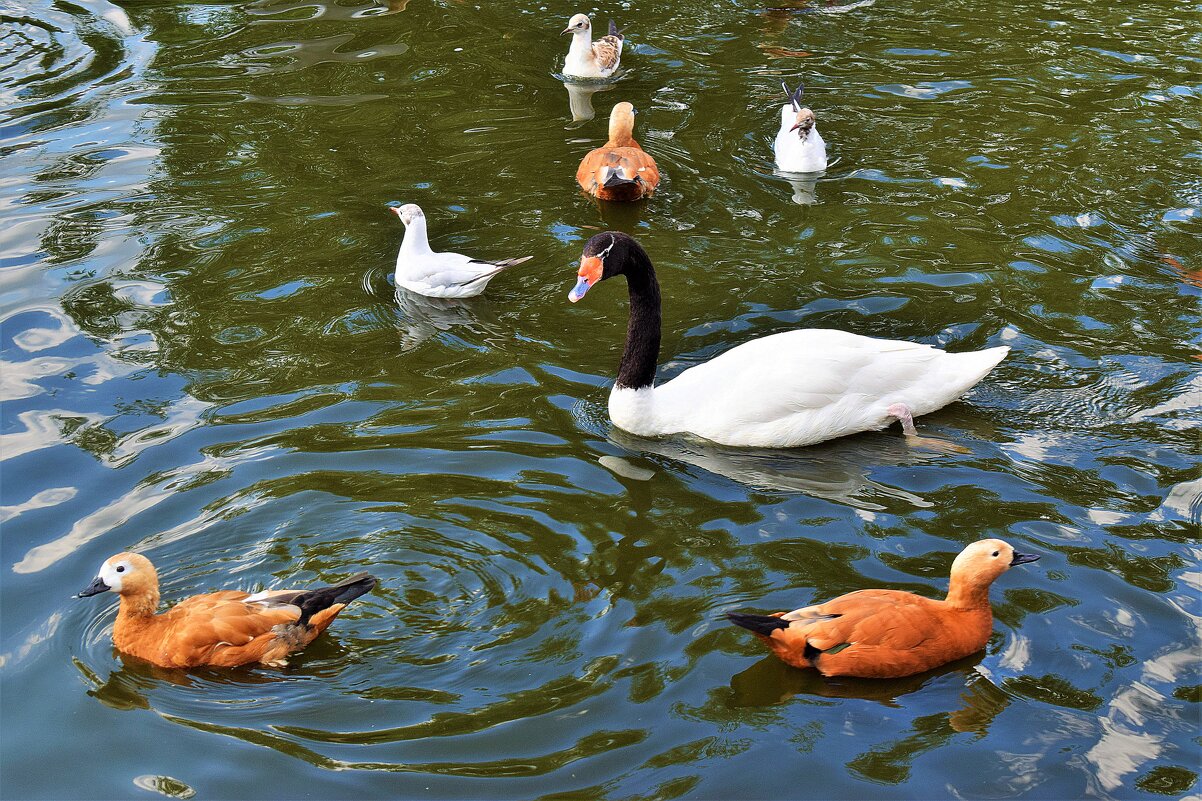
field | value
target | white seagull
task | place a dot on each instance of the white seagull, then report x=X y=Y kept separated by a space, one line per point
x=440 y=275
x=589 y=59
x=799 y=146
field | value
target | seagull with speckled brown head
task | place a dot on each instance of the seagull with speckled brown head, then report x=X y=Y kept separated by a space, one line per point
x=799 y=146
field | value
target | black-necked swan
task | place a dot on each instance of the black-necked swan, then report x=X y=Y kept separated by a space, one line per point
x=780 y=391
x=440 y=275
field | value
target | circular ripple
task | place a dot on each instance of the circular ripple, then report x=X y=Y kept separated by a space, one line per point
x=48 y=56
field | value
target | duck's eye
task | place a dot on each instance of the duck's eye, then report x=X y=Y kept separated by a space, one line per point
x=995 y=553
x=121 y=568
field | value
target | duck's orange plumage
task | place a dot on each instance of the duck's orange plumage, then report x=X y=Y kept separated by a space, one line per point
x=890 y=633
x=621 y=170
x=219 y=629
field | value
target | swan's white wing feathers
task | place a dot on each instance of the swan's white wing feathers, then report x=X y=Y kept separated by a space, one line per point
x=801 y=387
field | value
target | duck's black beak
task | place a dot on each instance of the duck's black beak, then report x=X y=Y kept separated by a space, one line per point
x=1023 y=558
x=95 y=588
x=568 y=29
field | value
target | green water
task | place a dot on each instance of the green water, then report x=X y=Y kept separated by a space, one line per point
x=204 y=360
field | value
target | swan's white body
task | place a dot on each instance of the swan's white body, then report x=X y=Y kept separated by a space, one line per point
x=440 y=275
x=794 y=154
x=800 y=387
x=585 y=61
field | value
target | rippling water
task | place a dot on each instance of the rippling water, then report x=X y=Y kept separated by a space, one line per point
x=204 y=360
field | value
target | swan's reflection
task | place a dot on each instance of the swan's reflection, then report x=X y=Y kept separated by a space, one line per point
x=580 y=98
x=805 y=185
x=836 y=471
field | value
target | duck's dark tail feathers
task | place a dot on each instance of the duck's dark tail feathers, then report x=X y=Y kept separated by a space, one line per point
x=614 y=30
x=615 y=178
x=760 y=624
x=313 y=601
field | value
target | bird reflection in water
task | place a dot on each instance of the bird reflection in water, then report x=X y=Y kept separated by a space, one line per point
x=130 y=687
x=580 y=98
x=771 y=682
x=778 y=17
x=805 y=185
x=621 y=216
x=837 y=471
x=420 y=318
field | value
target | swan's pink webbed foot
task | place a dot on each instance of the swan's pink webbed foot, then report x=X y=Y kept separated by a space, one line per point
x=902 y=412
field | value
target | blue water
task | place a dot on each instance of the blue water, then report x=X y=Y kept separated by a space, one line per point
x=204 y=360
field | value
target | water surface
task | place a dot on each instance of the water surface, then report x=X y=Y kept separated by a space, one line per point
x=204 y=360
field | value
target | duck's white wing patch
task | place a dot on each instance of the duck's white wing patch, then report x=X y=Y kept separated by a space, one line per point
x=274 y=598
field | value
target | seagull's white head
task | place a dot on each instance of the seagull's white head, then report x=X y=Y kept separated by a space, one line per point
x=578 y=24
x=408 y=213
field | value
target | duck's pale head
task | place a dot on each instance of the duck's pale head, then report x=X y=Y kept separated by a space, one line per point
x=124 y=574
x=621 y=122
x=408 y=213
x=578 y=24
x=985 y=560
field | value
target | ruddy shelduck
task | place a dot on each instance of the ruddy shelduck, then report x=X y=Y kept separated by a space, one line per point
x=887 y=634
x=218 y=629
x=621 y=170
x=589 y=59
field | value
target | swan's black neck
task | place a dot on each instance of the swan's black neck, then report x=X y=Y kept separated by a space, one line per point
x=639 y=359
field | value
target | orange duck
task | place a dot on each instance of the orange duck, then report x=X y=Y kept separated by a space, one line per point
x=218 y=629
x=621 y=170
x=887 y=634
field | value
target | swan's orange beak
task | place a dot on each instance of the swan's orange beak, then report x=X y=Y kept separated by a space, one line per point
x=589 y=274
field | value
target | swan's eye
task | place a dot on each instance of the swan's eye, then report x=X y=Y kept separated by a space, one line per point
x=121 y=568
x=995 y=553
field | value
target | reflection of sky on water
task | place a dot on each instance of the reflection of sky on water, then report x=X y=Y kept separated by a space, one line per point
x=192 y=367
